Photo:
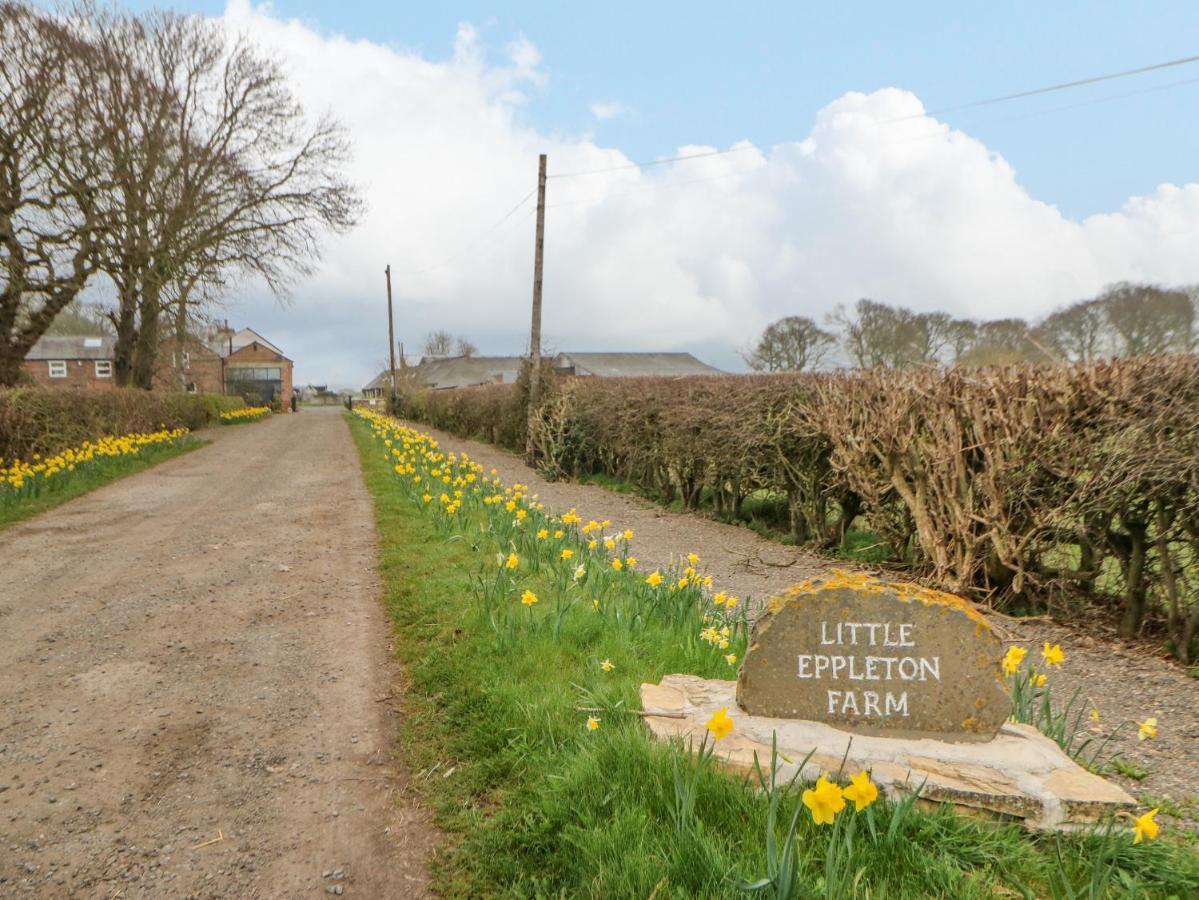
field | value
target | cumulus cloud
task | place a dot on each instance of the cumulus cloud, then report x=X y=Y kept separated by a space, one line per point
x=877 y=200
x=607 y=109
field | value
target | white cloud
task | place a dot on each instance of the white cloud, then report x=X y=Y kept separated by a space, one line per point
x=608 y=109
x=697 y=255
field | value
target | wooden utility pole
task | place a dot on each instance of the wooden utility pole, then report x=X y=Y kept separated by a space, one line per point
x=535 y=330
x=391 y=342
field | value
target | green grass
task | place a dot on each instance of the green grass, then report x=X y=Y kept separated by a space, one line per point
x=95 y=474
x=534 y=805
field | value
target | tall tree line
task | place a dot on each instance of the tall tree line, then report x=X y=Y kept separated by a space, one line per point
x=1123 y=320
x=158 y=152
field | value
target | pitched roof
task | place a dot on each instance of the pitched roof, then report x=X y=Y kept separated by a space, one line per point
x=61 y=346
x=226 y=345
x=466 y=371
x=380 y=382
x=616 y=365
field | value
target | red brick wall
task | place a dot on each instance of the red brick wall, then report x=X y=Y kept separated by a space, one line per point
x=81 y=373
x=203 y=368
x=255 y=355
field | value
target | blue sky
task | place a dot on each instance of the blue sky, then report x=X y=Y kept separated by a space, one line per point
x=714 y=73
x=858 y=177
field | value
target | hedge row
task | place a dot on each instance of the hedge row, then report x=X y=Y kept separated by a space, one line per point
x=1022 y=485
x=45 y=420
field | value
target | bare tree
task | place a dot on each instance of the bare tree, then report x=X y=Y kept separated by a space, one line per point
x=879 y=336
x=50 y=178
x=220 y=173
x=464 y=347
x=438 y=343
x=1145 y=318
x=1077 y=332
x=792 y=344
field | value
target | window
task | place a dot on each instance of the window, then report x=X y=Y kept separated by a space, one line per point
x=104 y=368
x=187 y=359
x=58 y=368
x=254 y=373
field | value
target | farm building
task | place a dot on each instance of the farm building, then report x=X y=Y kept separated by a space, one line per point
x=627 y=365
x=69 y=361
x=221 y=361
x=468 y=371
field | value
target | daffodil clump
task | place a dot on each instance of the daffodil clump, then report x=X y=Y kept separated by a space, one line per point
x=1032 y=703
x=545 y=567
x=245 y=414
x=524 y=668
x=25 y=479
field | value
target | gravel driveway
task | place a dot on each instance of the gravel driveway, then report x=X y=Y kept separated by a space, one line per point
x=196 y=684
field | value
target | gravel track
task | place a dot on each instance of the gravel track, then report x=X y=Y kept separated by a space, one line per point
x=196 y=687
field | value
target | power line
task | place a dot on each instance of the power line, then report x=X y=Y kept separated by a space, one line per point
x=1048 y=89
x=477 y=240
x=654 y=162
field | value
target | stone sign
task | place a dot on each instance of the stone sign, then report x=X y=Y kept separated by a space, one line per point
x=876 y=658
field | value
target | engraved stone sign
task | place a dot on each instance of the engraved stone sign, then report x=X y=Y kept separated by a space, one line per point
x=877 y=658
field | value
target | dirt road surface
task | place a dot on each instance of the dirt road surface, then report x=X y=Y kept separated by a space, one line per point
x=195 y=683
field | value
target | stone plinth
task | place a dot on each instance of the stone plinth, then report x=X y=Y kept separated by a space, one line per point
x=1019 y=775
x=877 y=658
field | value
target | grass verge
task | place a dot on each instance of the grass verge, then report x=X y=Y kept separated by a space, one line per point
x=97 y=473
x=536 y=805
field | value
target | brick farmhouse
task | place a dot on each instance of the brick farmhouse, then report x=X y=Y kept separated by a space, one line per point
x=223 y=361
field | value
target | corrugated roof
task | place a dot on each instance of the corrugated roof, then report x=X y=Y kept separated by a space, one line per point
x=61 y=346
x=466 y=371
x=617 y=365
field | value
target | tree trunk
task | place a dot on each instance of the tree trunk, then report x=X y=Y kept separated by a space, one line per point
x=146 y=351
x=125 y=323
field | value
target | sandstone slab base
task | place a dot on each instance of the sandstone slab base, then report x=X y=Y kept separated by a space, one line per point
x=1020 y=775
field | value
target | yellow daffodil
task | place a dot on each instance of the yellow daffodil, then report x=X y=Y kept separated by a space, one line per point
x=1145 y=828
x=654 y=578
x=593 y=723
x=1038 y=681
x=861 y=791
x=513 y=561
x=1147 y=729
x=528 y=598
x=559 y=534
x=567 y=553
x=731 y=602
x=580 y=571
x=720 y=598
x=731 y=659
x=1053 y=656
x=617 y=564
x=542 y=534
x=824 y=801
x=630 y=561
x=721 y=724
x=628 y=534
x=607 y=666
x=1094 y=714
x=693 y=558
x=1012 y=660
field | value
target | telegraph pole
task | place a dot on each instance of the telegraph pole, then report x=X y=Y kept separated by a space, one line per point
x=535 y=330
x=391 y=341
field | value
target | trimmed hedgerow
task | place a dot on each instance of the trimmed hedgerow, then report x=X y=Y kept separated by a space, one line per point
x=45 y=420
x=1022 y=485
